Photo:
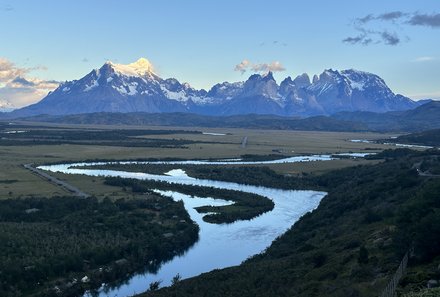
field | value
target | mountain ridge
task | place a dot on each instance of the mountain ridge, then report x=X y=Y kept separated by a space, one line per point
x=137 y=88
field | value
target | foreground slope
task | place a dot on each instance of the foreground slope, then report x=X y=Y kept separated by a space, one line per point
x=349 y=246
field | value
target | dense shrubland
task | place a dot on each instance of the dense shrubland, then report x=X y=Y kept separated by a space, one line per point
x=51 y=242
x=351 y=244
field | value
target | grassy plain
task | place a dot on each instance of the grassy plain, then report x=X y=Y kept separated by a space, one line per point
x=16 y=181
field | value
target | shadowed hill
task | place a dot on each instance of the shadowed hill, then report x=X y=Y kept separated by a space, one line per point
x=424 y=117
x=349 y=246
x=319 y=123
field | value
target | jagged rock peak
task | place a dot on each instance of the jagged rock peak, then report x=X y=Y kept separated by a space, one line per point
x=134 y=88
x=268 y=76
x=329 y=75
x=302 y=81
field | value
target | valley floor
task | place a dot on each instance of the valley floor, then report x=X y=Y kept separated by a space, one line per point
x=320 y=254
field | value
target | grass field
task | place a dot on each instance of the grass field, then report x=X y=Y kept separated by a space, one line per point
x=16 y=181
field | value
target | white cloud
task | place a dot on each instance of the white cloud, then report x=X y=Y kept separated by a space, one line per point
x=8 y=71
x=273 y=66
x=18 y=87
x=245 y=65
x=424 y=59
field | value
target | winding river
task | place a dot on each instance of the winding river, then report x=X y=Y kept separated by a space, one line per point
x=219 y=245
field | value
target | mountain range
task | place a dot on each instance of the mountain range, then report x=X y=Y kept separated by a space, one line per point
x=137 y=88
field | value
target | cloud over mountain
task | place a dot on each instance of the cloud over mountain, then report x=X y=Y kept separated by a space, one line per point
x=242 y=66
x=18 y=87
x=246 y=65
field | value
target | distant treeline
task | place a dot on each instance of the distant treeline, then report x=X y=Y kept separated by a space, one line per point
x=117 y=137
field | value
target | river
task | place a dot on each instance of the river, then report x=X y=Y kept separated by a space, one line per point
x=219 y=245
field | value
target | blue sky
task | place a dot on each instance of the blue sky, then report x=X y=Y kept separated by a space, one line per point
x=201 y=42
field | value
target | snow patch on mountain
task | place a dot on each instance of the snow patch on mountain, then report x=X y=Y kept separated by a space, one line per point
x=202 y=100
x=127 y=89
x=178 y=96
x=93 y=85
x=357 y=85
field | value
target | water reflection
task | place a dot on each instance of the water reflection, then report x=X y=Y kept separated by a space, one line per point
x=219 y=245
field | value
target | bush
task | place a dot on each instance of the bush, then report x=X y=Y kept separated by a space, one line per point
x=363 y=255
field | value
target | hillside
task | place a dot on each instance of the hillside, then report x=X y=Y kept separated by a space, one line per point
x=424 y=117
x=349 y=246
x=430 y=138
x=319 y=123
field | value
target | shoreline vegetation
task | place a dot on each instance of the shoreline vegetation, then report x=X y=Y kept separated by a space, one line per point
x=66 y=245
x=49 y=243
x=245 y=207
x=351 y=244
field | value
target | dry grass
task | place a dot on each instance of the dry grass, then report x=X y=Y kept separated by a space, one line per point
x=261 y=142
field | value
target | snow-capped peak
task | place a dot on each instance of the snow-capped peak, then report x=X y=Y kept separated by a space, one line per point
x=141 y=67
x=354 y=79
x=359 y=79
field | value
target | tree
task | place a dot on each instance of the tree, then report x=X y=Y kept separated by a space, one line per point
x=154 y=286
x=176 y=279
